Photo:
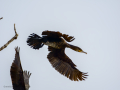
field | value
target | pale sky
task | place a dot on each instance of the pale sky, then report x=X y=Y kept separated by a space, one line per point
x=95 y=24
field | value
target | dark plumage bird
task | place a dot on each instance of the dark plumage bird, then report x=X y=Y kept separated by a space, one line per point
x=20 y=79
x=56 y=42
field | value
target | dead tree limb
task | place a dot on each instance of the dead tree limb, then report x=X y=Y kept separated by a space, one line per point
x=1 y=18
x=15 y=37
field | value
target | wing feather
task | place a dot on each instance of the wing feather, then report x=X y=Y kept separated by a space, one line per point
x=62 y=66
x=52 y=33
x=57 y=35
x=26 y=79
x=17 y=73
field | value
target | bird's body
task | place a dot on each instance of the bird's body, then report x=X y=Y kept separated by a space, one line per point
x=56 y=43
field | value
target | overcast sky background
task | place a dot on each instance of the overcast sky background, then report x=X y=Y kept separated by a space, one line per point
x=95 y=24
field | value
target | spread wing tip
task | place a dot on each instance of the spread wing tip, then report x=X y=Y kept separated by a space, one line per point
x=65 y=68
x=17 y=49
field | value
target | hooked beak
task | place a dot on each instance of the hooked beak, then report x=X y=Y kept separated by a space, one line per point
x=82 y=51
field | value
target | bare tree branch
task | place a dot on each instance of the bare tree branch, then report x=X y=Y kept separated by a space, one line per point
x=15 y=37
x=1 y=18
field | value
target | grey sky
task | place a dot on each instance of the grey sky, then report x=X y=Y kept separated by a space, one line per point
x=95 y=26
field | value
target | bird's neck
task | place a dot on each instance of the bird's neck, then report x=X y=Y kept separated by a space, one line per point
x=71 y=47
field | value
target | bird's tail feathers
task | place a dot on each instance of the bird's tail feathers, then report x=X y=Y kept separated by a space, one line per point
x=35 y=41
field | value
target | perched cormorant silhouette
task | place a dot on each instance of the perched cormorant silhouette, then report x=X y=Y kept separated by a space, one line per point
x=56 y=42
x=20 y=79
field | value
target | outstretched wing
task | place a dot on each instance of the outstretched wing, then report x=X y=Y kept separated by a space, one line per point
x=17 y=72
x=64 y=65
x=57 y=35
x=26 y=79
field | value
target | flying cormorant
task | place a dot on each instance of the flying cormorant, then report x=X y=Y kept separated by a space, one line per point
x=56 y=42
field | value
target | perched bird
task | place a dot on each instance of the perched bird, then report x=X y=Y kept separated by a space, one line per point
x=56 y=42
x=20 y=79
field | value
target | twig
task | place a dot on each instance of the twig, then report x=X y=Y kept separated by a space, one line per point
x=1 y=18
x=15 y=37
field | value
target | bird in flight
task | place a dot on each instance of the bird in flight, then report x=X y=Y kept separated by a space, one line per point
x=57 y=42
x=20 y=78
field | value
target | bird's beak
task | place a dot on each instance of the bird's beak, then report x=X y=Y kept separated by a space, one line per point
x=85 y=52
x=82 y=51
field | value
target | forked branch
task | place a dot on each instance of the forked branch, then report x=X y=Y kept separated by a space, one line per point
x=15 y=37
